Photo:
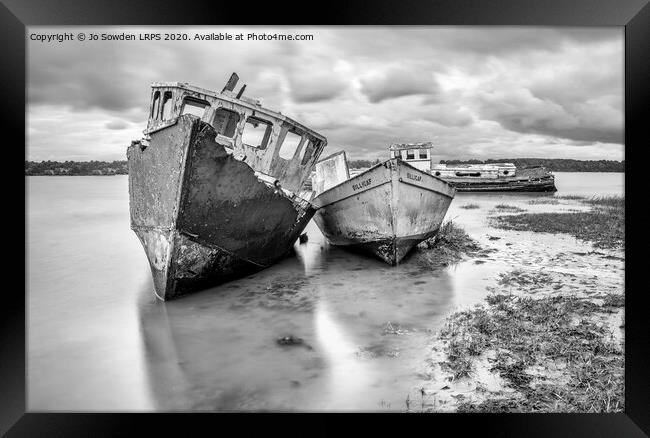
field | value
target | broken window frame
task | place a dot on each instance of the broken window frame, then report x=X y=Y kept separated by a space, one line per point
x=155 y=105
x=195 y=102
x=168 y=97
x=222 y=129
x=267 y=134
x=308 y=150
x=296 y=149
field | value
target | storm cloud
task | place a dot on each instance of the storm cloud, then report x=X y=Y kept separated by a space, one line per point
x=477 y=92
x=396 y=82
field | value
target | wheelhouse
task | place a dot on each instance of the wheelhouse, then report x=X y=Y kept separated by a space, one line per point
x=416 y=154
x=271 y=143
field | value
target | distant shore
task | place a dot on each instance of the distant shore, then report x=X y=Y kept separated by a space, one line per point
x=75 y=168
x=552 y=164
x=93 y=168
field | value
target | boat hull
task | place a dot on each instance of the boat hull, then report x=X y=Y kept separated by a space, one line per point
x=385 y=211
x=202 y=216
x=526 y=180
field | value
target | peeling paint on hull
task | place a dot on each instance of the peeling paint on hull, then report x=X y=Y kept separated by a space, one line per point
x=385 y=211
x=202 y=216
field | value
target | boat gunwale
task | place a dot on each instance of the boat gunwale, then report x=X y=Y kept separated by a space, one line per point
x=390 y=180
x=377 y=165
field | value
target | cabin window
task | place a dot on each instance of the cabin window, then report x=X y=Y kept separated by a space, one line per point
x=437 y=173
x=195 y=107
x=290 y=145
x=505 y=172
x=423 y=154
x=225 y=122
x=306 y=152
x=468 y=173
x=410 y=154
x=396 y=154
x=167 y=105
x=155 y=106
x=256 y=133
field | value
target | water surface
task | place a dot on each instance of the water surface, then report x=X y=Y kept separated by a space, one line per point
x=98 y=339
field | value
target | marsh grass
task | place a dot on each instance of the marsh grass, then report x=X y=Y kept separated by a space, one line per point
x=602 y=201
x=527 y=333
x=548 y=201
x=509 y=208
x=603 y=225
x=449 y=246
x=615 y=202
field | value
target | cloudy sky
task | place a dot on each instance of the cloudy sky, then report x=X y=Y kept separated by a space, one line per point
x=476 y=92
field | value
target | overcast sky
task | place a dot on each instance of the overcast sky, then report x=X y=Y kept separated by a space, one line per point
x=476 y=92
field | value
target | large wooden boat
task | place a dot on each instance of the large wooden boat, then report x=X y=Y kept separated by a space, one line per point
x=214 y=187
x=385 y=211
x=491 y=177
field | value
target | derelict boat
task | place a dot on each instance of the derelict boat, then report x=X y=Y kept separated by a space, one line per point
x=385 y=211
x=488 y=177
x=214 y=187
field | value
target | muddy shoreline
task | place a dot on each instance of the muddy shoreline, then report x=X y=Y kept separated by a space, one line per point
x=546 y=338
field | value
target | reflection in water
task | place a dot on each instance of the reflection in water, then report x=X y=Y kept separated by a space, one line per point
x=99 y=340
x=217 y=350
x=346 y=377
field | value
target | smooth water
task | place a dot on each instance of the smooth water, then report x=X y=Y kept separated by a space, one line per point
x=98 y=339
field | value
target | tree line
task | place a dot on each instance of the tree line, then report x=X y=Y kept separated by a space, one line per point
x=553 y=164
x=120 y=167
x=76 y=168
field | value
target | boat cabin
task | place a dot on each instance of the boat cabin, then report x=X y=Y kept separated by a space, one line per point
x=478 y=171
x=417 y=155
x=270 y=143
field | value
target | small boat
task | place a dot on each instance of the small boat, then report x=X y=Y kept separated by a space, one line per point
x=215 y=185
x=384 y=211
x=491 y=177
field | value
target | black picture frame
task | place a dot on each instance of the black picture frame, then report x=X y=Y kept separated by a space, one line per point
x=634 y=15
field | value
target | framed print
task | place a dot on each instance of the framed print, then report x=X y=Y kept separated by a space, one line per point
x=416 y=209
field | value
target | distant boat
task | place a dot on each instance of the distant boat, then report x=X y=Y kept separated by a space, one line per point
x=492 y=177
x=384 y=211
x=215 y=186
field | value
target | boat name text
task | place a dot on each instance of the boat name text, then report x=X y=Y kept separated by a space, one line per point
x=361 y=184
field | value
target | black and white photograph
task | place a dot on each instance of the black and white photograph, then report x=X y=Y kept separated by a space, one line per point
x=399 y=219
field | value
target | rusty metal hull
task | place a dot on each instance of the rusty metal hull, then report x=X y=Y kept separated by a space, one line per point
x=384 y=211
x=202 y=216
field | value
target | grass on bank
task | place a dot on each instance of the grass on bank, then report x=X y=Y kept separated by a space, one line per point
x=544 y=201
x=509 y=208
x=449 y=246
x=526 y=335
x=603 y=225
